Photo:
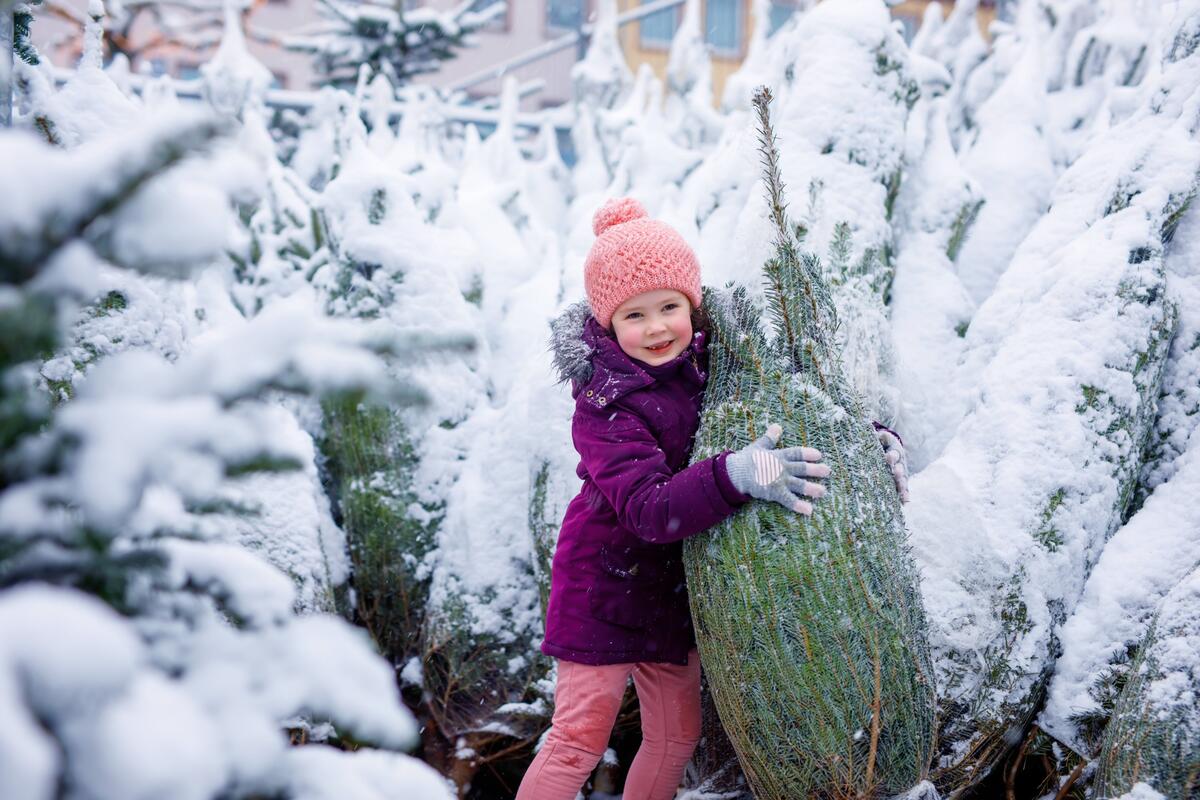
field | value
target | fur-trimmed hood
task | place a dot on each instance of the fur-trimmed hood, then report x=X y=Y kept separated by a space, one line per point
x=572 y=355
x=590 y=358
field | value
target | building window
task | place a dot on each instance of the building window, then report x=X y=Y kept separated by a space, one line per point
x=780 y=13
x=723 y=25
x=565 y=14
x=658 y=29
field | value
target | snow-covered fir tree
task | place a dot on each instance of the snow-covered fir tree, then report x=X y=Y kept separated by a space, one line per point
x=386 y=38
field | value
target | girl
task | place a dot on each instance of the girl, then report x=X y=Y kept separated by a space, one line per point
x=618 y=603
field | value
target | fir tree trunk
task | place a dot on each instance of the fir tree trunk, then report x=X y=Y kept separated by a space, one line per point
x=810 y=629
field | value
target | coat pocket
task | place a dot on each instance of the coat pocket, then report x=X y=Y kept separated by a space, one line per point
x=619 y=606
x=627 y=591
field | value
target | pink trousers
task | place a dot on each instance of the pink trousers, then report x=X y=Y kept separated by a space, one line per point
x=586 y=703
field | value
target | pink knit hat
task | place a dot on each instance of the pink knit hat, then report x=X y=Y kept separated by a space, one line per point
x=634 y=254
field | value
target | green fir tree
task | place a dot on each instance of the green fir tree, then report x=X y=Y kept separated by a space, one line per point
x=810 y=629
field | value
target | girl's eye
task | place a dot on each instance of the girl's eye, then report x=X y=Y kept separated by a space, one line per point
x=633 y=315
x=670 y=306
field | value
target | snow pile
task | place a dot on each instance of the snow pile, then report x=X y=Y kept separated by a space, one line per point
x=689 y=101
x=602 y=75
x=937 y=208
x=232 y=77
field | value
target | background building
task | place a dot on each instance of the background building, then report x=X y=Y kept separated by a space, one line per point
x=162 y=41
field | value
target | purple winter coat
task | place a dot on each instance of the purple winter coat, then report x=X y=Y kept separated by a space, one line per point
x=617 y=592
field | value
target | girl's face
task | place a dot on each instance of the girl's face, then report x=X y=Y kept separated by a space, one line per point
x=654 y=327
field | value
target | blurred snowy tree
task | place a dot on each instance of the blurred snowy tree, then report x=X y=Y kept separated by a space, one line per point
x=119 y=497
x=158 y=477
x=387 y=38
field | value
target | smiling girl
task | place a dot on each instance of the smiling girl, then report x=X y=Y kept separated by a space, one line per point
x=618 y=602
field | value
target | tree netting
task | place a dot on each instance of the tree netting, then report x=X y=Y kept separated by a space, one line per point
x=810 y=629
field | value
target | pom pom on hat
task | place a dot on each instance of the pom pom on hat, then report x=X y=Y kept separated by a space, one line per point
x=614 y=212
x=633 y=254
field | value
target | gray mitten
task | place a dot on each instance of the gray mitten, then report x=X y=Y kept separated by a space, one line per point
x=761 y=471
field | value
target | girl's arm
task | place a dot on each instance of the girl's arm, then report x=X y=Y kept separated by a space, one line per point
x=630 y=470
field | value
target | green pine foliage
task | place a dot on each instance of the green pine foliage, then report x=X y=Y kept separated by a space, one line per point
x=22 y=41
x=810 y=629
x=370 y=464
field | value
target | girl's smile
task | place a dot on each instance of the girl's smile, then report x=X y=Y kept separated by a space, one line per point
x=654 y=327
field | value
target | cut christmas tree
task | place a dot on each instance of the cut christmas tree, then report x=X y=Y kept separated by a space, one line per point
x=810 y=629
x=1065 y=358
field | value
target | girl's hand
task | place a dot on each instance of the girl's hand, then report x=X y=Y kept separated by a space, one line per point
x=761 y=471
x=895 y=456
